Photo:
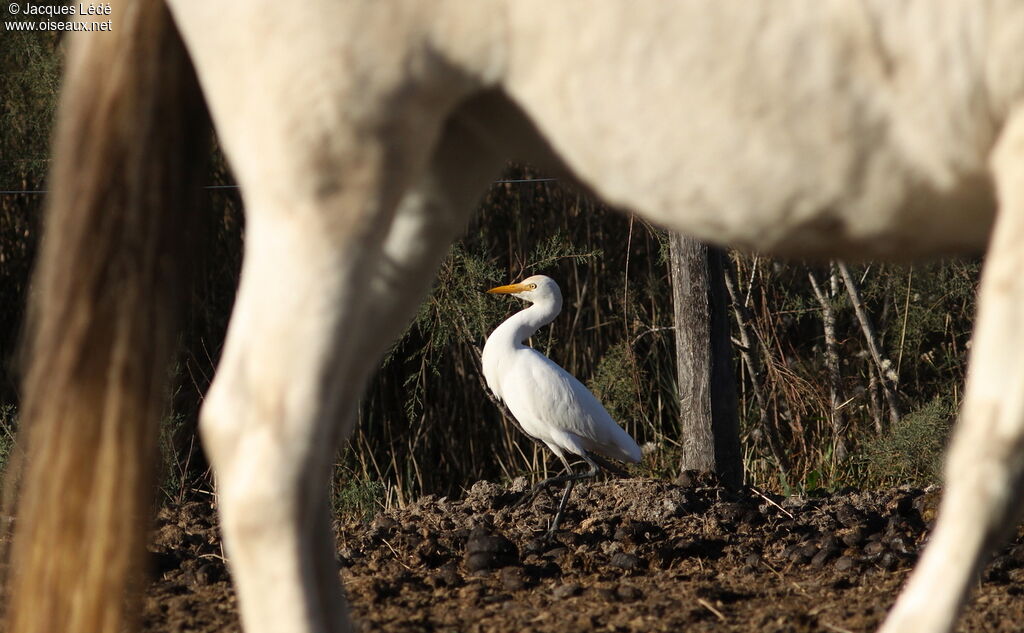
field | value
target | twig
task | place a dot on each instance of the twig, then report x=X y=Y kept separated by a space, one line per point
x=625 y=275
x=398 y=556
x=651 y=330
x=216 y=556
x=750 y=284
x=888 y=382
x=783 y=579
x=828 y=320
x=768 y=499
x=906 y=313
x=707 y=605
x=748 y=351
x=833 y=627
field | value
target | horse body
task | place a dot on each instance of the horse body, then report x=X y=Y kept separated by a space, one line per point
x=363 y=132
x=858 y=128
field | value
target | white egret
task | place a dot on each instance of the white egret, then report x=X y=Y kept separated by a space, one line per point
x=549 y=403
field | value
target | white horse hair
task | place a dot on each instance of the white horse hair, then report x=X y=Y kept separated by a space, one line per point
x=362 y=133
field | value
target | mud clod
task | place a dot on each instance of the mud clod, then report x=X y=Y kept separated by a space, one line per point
x=487 y=549
x=567 y=590
x=629 y=562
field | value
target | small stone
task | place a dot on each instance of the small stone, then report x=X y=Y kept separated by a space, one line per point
x=854 y=537
x=519 y=485
x=802 y=554
x=567 y=590
x=887 y=562
x=486 y=549
x=899 y=545
x=625 y=561
x=496 y=598
x=822 y=557
x=449 y=575
x=848 y=516
x=844 y=563
x=512 y=578
x=628 y=592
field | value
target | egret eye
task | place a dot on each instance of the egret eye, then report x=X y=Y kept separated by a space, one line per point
x=533 y=286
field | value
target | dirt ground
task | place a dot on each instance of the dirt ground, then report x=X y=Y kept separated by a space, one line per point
x=632 y=555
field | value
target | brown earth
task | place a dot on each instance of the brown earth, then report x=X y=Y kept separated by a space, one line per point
x=632 y=555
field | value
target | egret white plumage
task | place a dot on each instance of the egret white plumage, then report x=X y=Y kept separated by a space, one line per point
x=549 y=403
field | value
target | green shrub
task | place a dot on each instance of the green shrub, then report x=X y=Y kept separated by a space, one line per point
x=616 y=381
x=174 y=475
x=361 y=498
x=8 y=424
x=911 y=451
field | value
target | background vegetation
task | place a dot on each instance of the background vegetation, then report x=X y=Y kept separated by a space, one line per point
x=426 y=424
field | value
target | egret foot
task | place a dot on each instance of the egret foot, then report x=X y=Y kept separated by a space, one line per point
x=561 y=510
x=570 y=478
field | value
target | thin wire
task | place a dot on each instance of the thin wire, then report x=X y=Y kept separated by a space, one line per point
x=17 y=192
x=498 y=182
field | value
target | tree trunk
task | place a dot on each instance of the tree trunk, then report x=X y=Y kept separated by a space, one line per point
x=707 y=386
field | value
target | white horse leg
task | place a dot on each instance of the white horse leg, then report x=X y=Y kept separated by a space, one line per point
x=427 y=220
x=267 y=422
x=312 y=316
x=985 y=467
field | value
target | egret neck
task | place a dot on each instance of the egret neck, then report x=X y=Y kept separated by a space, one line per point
x=525 y=323
x=509 y=336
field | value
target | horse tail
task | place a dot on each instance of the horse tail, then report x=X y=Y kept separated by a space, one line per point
x=102 y=322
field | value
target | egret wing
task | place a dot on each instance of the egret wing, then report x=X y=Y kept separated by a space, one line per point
x=548 y=398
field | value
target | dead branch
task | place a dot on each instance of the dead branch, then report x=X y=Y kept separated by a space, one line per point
x=887 y=376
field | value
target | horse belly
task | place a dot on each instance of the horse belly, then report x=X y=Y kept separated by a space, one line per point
x=756 y=128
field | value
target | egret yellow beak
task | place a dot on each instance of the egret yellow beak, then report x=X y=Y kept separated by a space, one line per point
x=509 y=289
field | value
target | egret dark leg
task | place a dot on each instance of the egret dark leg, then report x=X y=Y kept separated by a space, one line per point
x=541 y=486
x=561 y=508
x=570 y=480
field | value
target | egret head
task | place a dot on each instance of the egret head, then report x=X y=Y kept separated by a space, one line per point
x=535 y=289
